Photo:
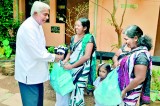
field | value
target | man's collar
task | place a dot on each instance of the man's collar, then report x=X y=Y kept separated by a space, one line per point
x=35 y=22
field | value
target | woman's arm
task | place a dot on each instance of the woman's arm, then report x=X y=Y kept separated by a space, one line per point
x=115 y=58
x=140 y=75
x=67 y=58
x=87 y=55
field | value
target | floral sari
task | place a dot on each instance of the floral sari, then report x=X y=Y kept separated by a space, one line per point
x=83 y=73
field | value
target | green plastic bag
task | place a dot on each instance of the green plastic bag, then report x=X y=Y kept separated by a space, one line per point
x=61 y=80
x=108 y=91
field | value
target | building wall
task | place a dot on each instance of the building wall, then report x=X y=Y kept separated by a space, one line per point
x=145 y=16
x=52 y=39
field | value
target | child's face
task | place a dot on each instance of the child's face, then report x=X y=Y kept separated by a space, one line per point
x=102 y=72
x=61 y=55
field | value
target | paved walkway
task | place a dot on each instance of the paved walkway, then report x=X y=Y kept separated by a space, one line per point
x=8 y=98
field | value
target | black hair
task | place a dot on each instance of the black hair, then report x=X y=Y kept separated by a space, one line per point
x=66 y=52
x=107 y=67
x=85 y=23
x=143 y=40
x=65 y=49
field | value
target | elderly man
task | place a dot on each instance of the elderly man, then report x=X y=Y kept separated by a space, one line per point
x=31 y=62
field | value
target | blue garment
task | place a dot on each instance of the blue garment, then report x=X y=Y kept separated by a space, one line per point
x=108 y=92
x=32 y=95
x=61 y=80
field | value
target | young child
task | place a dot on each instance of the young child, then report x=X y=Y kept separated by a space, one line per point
x=61 y=50
x=61 y=100
x=102 y=73
x=106 y=86
x=103 y=70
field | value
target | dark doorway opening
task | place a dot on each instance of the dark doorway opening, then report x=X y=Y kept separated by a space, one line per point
x=28 y=5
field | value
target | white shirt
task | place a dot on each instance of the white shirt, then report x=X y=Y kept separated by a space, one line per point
x=97 y=82
x=31 y=61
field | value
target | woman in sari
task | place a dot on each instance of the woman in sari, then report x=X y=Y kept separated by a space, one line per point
x=81 y=60
x=134 y=73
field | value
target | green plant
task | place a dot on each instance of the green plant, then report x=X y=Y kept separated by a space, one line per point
x=5 y=50
x=110 y=61
x=155 y=95
x=51 y=49
x=155 y=85
x=9 y=26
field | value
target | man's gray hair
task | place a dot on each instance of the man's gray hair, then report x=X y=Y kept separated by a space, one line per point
x=38 y=6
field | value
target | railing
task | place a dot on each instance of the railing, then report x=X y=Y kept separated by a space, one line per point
x=108 y=55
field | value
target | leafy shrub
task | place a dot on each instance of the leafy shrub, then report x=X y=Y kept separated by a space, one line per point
x=155 y=85
x=51 y=49
x=5 y=50
x=8 y=29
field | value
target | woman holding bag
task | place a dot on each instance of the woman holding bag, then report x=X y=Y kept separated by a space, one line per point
x=134 y=73
x=81 y=60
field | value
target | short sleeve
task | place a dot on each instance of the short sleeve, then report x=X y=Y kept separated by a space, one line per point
x=92 y=40
x=142 y=60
